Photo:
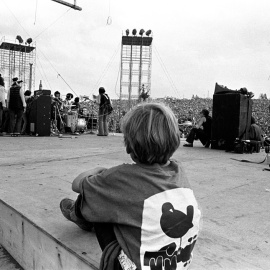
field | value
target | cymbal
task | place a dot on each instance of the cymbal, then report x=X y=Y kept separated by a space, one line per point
x=187 y=123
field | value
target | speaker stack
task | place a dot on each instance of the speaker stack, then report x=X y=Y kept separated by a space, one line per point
x=40 y=114
x=231 y=119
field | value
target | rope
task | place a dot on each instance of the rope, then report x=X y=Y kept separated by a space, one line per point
x=52 y=24
x=248 y=161
x=39 y=35
x=58 y=74
x=117 y=79
x=44 y=73
x=109 y=19
x=16 y=18
x=106 y=68
x=67 y=84
x=166 y=72
x=36 y=12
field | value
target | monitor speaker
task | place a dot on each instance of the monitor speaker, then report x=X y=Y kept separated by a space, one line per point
x=40 y=116
x=231 y=119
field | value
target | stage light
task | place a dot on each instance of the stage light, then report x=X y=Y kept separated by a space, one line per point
x=134 y=32
x=127 y=32
x=141 y=32
x=148 y=32
x=29 y=41
x=19 y=39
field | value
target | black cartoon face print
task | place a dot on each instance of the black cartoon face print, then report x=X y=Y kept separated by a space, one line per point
x=175 y=224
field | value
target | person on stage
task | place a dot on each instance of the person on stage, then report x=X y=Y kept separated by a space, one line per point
x=201 y=131
x=56 y=110
x=255 y=136
x=143 y=213
x=255 y=132
x=26 y=126
x=2 y=100
x=57 y=100
x=76 y=104
x=17 y=106
x=68 y=101
x=102 y=98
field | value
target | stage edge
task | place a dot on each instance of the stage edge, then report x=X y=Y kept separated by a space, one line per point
x=34 y=248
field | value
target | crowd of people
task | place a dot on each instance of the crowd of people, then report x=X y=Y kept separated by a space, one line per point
x=184 y=109
x=189 y=110
x=14 y=120
x=261 y=113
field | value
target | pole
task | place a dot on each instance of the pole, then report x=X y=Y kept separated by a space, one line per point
x=30 y=77
x=130 y=78
x=68 y=4
x=140 y=70
x=121 y=78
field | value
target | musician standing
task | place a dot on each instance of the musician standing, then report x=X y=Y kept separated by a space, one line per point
x=102 y=113
x=2 y=100
x=57 y=99
x=57 y=107
x=17 y=106
x=26 y=127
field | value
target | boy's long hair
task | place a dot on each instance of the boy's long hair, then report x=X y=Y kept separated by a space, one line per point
x=151 y=133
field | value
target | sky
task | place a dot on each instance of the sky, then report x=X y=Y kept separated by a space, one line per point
x=196 y=43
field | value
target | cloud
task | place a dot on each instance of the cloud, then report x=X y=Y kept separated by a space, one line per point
x=195 y=43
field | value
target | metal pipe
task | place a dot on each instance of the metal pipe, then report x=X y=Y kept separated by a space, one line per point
x=130 y=76
x=30 y=77
x=68 y=4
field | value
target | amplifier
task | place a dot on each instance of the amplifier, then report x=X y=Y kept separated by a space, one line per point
x=40 y=116
x=42 y=92
x=231 y=119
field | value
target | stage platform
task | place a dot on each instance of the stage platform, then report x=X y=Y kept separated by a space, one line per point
x=37 y=172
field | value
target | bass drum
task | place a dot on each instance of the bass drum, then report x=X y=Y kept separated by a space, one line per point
x=81 y=124
x=71 y=120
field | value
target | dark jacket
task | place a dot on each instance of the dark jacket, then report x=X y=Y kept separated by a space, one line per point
x=15 y=100
x=2 y=83
x=207 y=126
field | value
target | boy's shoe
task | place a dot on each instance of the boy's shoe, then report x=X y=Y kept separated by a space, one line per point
x=67 y=209
x=188 y=145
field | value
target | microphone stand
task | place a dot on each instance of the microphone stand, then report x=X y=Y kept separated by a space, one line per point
x=92 y=114
x=55 y=129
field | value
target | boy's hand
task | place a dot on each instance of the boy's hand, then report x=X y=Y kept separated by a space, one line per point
x=81 y=176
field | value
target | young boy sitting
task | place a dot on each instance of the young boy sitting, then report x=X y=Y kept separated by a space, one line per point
x=146 y=211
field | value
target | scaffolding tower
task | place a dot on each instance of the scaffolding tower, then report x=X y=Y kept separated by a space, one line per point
x=18 y=60
x=136 y=64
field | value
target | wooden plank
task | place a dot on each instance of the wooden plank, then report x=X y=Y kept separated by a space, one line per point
x=36 y=173
x=7 y=262
x=33 y=248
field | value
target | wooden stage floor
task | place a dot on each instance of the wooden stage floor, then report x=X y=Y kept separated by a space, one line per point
x=37 y=172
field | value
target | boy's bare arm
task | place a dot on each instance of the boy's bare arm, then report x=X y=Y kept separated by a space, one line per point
x=76 y=182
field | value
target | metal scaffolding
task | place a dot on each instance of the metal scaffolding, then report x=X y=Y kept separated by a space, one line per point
x=18 y=60
x=136 y=64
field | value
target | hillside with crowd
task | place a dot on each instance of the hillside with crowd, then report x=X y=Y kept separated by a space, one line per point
x=188 y=110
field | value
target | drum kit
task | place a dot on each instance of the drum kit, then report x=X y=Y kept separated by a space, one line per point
x=74 y=122
x=72 y=119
